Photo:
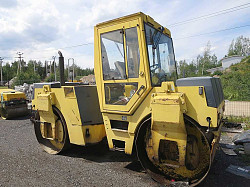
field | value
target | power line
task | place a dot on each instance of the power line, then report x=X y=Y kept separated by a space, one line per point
x=174 y=39
x=7 y=57
x=225 y=11
x=77 y=45
x=66 y=47
x=212 y=32
x=222 y=30
x=83 y=44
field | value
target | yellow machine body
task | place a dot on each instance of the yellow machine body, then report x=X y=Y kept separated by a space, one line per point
x=150 y=100
x=65 y=100
x=175 y=126
x=13 y=104
x=9 y=94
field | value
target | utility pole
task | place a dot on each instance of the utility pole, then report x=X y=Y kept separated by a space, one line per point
x=50 y=68
x=73 y=76
x=54 y=60
x=68 y=70
x=73 y=68
x=46 y=69
x=34 y=66
x=1 y=61
x=202 y=68
x=183 y=73
x=19 y=67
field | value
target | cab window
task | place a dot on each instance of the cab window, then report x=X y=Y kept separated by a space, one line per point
x=133 y=53
x=113 y=45
x=119 y=93
x=161 y=56
x=112 y=50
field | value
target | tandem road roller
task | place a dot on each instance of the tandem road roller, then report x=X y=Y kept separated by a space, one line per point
x=137 y=104
x=13 y=104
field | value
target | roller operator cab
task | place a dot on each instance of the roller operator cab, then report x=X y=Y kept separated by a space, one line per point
x=173 y=125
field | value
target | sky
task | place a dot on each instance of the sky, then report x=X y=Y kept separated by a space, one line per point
x=39 y=28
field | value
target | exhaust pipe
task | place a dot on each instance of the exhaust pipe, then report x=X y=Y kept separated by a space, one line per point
x=61 y=68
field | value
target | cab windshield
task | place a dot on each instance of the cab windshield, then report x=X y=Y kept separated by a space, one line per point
x=161 y=56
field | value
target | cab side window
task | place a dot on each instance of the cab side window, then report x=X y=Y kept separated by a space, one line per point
x=112 y=51
x=133 y=53
x=114 y=44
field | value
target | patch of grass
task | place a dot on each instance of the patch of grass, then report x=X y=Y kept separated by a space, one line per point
x=247 y=127
x=234 y=119
x=223 y=133
x=3 y=87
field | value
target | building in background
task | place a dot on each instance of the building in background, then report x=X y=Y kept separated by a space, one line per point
x=226 y=63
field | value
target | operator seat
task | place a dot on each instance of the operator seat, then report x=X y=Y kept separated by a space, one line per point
x=120 y=68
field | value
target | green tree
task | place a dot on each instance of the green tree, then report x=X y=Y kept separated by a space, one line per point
x=240 y=46
x=206 y=61
x=8 y=72
x=26 y=77
x=187 y=70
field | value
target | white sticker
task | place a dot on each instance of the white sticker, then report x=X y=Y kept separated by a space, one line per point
x=124 y=118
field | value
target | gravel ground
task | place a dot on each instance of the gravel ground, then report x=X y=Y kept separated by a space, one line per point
x=23 y=163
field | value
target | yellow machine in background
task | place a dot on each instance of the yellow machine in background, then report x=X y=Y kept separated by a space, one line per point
x=174 y=125
x=13 y=104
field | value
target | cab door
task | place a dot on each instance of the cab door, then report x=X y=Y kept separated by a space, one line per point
x=124 y=83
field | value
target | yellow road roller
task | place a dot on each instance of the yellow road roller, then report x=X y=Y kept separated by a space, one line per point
x=137 y=104
x=13 y=104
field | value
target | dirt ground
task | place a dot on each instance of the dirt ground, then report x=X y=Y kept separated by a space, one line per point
x=23 y=163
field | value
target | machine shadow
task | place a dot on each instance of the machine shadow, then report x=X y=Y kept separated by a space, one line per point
x=100 y=153
x=19 y=118
x=218 y=176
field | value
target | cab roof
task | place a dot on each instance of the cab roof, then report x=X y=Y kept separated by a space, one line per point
x=138 y=15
